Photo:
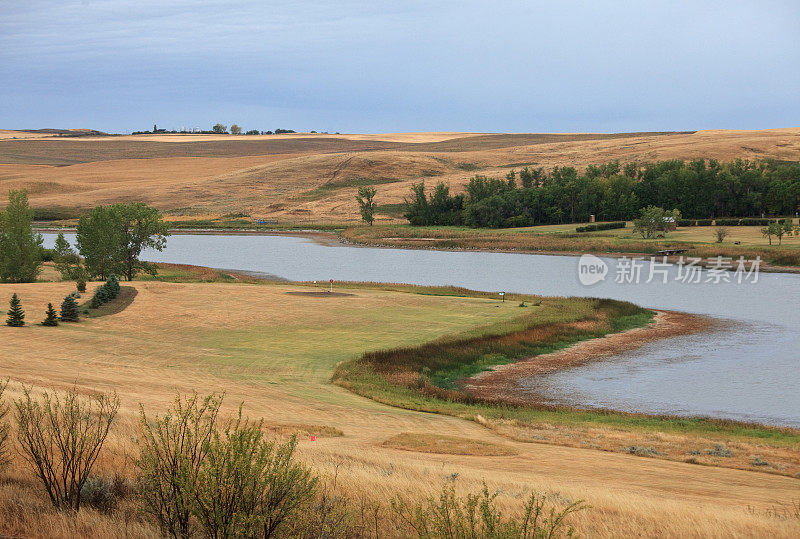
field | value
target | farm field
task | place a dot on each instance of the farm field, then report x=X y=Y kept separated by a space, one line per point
x=312 y=178
x=275 y=348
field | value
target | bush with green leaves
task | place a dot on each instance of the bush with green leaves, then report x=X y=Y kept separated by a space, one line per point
x=249 y=485
x=61 y=438
x=16 y=315
x=477 y=515
x=69 y=309
x=600 y=226
x=51 y=317
x=230 y=479
x=5 y=455
x=172 y=448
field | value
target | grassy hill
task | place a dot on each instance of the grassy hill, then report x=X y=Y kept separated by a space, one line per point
x=312 y=178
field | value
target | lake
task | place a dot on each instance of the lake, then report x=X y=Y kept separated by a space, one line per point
x=747 y=369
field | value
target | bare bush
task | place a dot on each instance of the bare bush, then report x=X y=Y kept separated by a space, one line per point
x=172 y=450
x=477 y=516
x=62 y=438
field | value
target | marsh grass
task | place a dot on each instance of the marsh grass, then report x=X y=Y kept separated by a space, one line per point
x=426 y=377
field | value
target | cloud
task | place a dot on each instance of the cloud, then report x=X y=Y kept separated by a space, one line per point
x=380 y=66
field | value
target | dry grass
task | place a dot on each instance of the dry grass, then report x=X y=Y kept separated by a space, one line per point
x=278 y=177
x=447 y=445
x=276 y=352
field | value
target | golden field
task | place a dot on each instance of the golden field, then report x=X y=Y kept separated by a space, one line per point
x=312 y=178
x=276 y=351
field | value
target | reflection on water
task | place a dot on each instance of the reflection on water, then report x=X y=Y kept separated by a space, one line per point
x=747 y=370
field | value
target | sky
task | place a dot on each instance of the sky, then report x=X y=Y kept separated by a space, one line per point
x=377 y=66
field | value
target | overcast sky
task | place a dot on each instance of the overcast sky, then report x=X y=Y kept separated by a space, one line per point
x=375 y=66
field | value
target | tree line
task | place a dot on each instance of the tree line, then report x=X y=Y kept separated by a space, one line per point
x=697 y=189
x=110 y=241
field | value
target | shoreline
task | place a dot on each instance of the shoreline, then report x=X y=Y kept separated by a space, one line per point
x=329 y=238
x=501 y=382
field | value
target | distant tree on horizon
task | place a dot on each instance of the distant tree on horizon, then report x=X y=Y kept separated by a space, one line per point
x=220 y=128
x=236 y=130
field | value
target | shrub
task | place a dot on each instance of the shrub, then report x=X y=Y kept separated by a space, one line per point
x=721 y=233
x=98 y=492
x=704 y=222
x=687 y=222
x=720 y=450
x=248 y=485
x=643 y=451
x=601 y=226
x=16 y=316
x=48 y=255
x=172 y=449
x=62 y=438
x=477 y=516
x=69 y=309
x=5 y=456
x=728 y=222
x=51 y=317
x=81 y=285
x=753 y=221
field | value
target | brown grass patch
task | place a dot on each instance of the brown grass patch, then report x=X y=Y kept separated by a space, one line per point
x=305 y=430
x=447 y=445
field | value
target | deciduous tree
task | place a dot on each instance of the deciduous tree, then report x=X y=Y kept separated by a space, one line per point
x=366 y=204
x=20 y=248
x=111 y=238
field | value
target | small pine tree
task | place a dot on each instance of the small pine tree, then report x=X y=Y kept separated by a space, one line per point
x=113 y=286
x=52 y=317
x=69 y=310
x=16 y=316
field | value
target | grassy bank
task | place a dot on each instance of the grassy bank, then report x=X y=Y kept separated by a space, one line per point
x=698 y=241
x=428 y=378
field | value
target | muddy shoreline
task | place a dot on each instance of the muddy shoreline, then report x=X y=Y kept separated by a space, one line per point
x=502 y=381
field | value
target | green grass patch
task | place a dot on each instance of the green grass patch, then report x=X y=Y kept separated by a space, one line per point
x=425 y=378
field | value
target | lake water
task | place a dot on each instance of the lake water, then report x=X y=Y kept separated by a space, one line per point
x=748 y=369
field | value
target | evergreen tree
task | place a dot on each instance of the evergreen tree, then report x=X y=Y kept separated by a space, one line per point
x=16 y=316
x=69 y=309
x=52 y=316
x=113 y=286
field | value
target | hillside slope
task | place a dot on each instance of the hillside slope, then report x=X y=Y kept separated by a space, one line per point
x=314 y=177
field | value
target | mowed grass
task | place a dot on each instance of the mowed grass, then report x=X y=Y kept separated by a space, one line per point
x=276 y=352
